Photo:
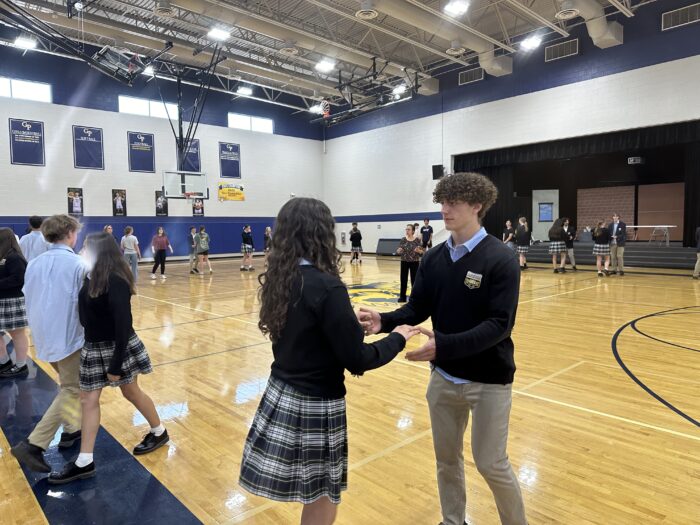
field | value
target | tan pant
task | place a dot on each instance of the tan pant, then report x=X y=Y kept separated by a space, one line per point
x=696 y=272
x=617 y=258
x=489 y=405
x=65 y=409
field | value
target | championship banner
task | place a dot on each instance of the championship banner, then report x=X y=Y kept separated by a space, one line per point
x=119 y=203
x=142 y=155
x=231 y=192
x=192 y=161
x=88 y=149
x=27 y=142
x=230 y=160
x=75 y=202
x=161 y=204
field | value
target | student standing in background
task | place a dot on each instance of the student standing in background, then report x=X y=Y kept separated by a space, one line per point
x=618 y=235
x=509 y=235
x=247 y=249
x=522 y=241
x=569 y=238
x=33 y=244
x=192 y=246
x=355 y=244
x=131 y=250
x=426 y=233
x=601 y=248
x=159 y=245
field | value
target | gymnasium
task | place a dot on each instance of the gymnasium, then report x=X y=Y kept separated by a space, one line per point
x=217 y=114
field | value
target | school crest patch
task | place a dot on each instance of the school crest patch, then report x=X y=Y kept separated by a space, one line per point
x=473 y=280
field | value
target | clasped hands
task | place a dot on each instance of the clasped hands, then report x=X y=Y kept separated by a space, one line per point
x=371 y=323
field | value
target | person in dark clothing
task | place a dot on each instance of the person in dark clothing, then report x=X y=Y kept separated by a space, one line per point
x=601 y=248
x=13 y=310
x=509 y=235
x=267 y=244
x=113 y=354
x=306 y=312
x=247 y=249
x=569 y=238
x=410 y=249
x=355 y=244
x=522 y=241
x=469 y=287
x=192 y=248
x=696 y=271
x=557 y=245
x=426 y=233
x=618 y=236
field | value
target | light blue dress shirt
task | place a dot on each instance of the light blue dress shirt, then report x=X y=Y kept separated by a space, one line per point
x=33 y=245
x=52 y=283
x=456 y=253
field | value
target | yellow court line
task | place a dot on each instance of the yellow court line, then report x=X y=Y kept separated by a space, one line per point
x=558 y=294
x=551 y=376
x=197 y=310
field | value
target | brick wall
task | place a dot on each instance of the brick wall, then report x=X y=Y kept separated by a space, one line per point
x=595 y=204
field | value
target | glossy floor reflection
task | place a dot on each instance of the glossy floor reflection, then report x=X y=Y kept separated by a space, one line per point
x=588 y=445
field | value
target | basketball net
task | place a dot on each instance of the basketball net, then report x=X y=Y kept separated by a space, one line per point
x=326 y=108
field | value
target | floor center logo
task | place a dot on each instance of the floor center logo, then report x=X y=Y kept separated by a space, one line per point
x=373 y=293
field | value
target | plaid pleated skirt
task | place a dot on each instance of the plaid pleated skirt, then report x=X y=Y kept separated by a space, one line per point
x=95 y=358
x=246 y=248
x=601 y=249
x=356 y=249
x=13 y=314
x=557 y=247
x=521 y=248
x=297 y=447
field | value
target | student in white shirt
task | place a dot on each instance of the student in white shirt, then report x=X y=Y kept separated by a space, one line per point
x=51 y=286
x=33 y=244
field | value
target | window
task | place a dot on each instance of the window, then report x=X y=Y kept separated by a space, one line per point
x=263 y=125
x=147 y=108
x=238 y=121
x=248 y=123
x=23 y=89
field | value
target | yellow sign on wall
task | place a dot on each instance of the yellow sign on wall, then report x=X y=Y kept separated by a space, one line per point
x=231 y=192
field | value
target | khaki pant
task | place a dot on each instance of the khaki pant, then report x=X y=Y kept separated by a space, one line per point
x=696 y=272
x=489 y=405
x=193 y=260
x=65 y=409
x=617 y=260
x=570 y=253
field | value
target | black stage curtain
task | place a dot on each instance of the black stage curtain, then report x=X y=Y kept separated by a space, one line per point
x=692 y=193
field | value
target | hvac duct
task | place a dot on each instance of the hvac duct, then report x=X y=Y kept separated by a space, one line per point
x=603 y=32
x=457 y=38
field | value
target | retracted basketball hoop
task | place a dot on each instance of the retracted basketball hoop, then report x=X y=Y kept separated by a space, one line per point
x=189 y=195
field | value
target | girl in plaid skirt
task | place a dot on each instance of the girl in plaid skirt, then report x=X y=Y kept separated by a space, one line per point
x=113 y=354
x=522 y=241
x=13 y=314
x=601 y=248
x=557 y=245
x=297 y=448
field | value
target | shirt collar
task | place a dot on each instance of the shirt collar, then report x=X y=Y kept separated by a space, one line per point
x=470 y=244
x=61 y=246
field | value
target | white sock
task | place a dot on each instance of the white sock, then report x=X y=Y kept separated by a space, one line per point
x=4 y=359
x=20 y=363
x=158 y=431
x=84 y=459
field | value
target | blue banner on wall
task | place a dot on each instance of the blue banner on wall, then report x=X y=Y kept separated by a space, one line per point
x=230 y=160
x=27 y=142
x=142 y=152
x=88 y=149
x=192 y=161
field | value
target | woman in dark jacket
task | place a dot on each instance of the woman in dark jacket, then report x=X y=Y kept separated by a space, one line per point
x=13 y=313
x=557 y=245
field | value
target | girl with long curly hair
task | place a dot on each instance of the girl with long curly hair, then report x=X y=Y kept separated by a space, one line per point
x=297 y=448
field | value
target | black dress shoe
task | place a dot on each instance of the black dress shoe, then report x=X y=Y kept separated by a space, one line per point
x=14 y=371
x=6 y=366
x=69 y=439
x=71 y=472
x=621 y=274
x=31 y=457
x=150 y=443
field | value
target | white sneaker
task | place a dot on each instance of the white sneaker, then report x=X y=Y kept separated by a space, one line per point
x=211 y=271
x=163 y=277
x=153 y=276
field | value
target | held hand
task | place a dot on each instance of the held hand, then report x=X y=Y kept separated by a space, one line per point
x=112 y=378
x=399 y=250
x=426 y=352
x=406 y=331
x=370 y=320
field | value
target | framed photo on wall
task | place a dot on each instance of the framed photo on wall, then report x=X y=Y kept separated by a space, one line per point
x=119 y=203
x=75 y=202
x=546 y=212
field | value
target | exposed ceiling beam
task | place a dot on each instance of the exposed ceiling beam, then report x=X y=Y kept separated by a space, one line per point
x=622 y=8
x=459 y=24
x=536 y=16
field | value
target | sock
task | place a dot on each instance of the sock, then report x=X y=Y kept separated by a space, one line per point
x=4 y=359
x=158 y=431
x=20 y=363
x=84 y=459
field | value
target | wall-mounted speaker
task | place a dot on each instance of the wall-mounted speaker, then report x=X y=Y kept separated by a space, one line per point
x=438 y=171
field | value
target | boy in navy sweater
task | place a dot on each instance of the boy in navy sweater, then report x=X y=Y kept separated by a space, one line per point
x=469 y=287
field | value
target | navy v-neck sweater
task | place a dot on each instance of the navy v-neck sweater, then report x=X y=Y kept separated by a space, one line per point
x=472 y=304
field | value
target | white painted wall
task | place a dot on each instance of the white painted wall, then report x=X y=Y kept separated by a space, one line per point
x=540 y=230
x=273 y=166
x=388 y=170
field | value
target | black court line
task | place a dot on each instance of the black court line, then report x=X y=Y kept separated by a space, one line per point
x=217 y=318
x=634 y=378
x=211 y=354
x=640 y=332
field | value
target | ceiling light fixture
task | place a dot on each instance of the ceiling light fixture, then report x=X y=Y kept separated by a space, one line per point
x=246 y=91
x=218 y=34
x=316 y=109
x=78 y=6
x=456 y=8
x=531 y=42
x=325 y=65
x=399 y=90
x=24 y=42
x=148 y=71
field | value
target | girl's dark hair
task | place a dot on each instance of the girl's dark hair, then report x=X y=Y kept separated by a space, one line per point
x=128 y=230
x=555 y=230
x=108 y=260
x=304 y=229
x=412 y=226
x=599 y=228
x=160 y=228
x=8 y=243
x=201 y=229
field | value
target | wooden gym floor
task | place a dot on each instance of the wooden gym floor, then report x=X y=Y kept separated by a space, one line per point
x=589 y=444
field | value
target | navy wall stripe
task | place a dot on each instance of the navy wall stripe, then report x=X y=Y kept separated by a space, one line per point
x=123 y=491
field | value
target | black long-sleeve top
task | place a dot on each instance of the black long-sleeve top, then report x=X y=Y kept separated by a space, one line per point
x=472 y=303
x=557 y=234
x=602 y=237
x=522 y=236
x=322 y=338
x=569 y=236
x=247 y=238
x=107 y=317
x=355 y=238
x=12 y=270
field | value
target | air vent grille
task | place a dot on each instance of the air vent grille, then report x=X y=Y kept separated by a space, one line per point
x=561 y=50
x=680 y=17
x=471 y=75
